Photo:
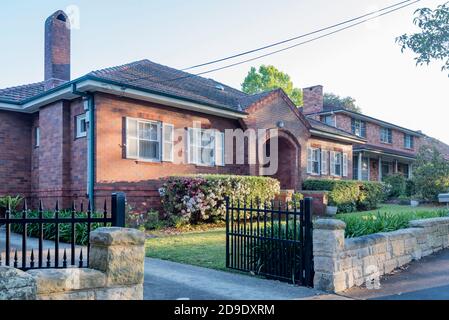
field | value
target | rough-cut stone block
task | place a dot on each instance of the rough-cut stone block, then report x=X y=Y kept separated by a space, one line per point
x=120 y=293
x=424 y=223
x=329 y=224
x=123 y=265
x=59 y=280
x=16 y=285
x=117 y=237
x=69 y=295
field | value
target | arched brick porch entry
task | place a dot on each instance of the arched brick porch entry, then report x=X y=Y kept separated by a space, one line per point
x=289 y=160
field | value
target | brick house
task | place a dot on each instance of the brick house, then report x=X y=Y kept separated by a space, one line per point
x=126 y=128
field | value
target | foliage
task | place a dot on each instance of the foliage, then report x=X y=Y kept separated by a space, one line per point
x=363 y=224
x=431 y=173
x=432 y=42
x=410 y=187
x=397 y=184
x=201 y=198
x=10 y=200
x=269 y=78
x=65 y=229
x=349 y=195
x=348 y=103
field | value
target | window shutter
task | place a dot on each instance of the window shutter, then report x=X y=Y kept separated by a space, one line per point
x=324 y=162
x=132 y=141
x=191 y=148
x=332 y=161
x=345 y=164
x=363 y=128
x=353 y=125
x=167 y=142
x=309 y=160
x=412 y=142
x=219 y=148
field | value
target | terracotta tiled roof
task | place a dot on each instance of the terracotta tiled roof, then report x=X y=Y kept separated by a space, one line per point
x=148 y=75
x=20 y=93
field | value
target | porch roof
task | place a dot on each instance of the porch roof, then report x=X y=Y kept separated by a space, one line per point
x=384 y=151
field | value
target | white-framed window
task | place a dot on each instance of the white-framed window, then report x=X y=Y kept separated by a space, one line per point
x=313 y=161
x=358 y=127
x=324 y=162
x=336 y=163
x=408 y=141
x=386 y=135
x=205 y=147
x=81 y=126
x=143 y=140
x=37 y=137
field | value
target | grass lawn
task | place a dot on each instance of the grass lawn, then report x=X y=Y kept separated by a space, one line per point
x=204 y=249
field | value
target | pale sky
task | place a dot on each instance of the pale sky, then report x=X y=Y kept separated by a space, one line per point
x=363 y=62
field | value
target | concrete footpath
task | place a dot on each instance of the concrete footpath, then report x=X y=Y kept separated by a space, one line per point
x=426 y=279
x=165 y=280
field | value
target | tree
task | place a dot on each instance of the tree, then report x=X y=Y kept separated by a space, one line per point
x=432 y=43
x=269 y=78
x=430 y=173
x=333 y=100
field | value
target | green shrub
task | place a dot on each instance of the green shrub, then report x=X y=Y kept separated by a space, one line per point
x=397 y=183
x=404 y=200
x=359 y=225
x=349 y=195
x=201 y=198
x=65 y=229
x=6 y=201
x=410 y=188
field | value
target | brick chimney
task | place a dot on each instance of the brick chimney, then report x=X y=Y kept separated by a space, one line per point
x=57 y=49
x=313 y=99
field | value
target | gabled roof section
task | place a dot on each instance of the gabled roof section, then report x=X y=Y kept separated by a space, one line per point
x=21 y=93
x=161 y=79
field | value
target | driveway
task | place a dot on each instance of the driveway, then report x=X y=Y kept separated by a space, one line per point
x=166 y=280
x=426 y=279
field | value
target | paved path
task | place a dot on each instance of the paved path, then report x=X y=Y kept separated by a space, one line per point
x=426 y=279
x=166 y=280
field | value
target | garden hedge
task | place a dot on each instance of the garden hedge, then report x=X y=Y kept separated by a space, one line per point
x=349 y=195
x=201 y=198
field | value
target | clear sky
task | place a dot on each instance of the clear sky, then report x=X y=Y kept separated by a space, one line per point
x=363 y=62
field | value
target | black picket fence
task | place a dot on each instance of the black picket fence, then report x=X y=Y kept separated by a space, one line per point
x=58 y=238
x=273 y=239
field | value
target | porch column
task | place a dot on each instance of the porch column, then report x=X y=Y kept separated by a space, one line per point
x=396 y=166
x=369 y=169
x=359 y=171
x=380 y=169
x=410 y=170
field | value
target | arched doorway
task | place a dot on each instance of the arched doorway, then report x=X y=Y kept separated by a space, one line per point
x=288 y=161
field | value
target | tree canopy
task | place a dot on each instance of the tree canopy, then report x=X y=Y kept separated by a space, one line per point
x=333 y=100
x=269 y=78
x=432 y=42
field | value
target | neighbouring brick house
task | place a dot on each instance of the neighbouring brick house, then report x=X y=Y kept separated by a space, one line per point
x=125 y=128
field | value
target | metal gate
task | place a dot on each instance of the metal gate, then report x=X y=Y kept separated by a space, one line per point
x=273 y=239
x=44 y=239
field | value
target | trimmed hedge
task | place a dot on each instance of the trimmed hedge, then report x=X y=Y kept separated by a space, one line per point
x=349 y=195
x=201 y=198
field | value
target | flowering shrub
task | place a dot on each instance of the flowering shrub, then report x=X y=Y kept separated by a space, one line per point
x=201 y=198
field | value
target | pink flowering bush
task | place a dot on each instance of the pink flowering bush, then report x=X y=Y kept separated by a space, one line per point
x=201 y=198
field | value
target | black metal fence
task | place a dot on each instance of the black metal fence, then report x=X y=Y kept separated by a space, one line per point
x=54 y=239
x=273 y=239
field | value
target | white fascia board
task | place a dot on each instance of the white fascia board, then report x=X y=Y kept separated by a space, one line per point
x=335 y=137
x=93 y=85
x=10 y=107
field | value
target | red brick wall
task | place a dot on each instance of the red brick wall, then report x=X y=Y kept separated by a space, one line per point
x=373 y=135
x=330 y=145
x=140 y=180
x=15 y=154
x=265 y=115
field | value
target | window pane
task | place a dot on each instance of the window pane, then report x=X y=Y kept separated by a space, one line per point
x=144 y=130
x=154 y=134
x=149 y=150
